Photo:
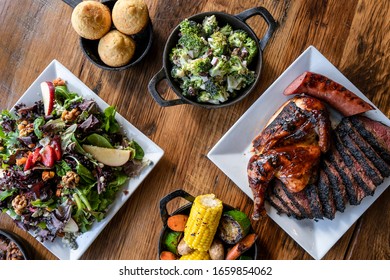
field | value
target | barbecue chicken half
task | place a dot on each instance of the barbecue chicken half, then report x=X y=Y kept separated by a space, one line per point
x=289 y=148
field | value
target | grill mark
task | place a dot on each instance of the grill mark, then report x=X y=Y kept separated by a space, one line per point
x=278 y=191
x=314 y=200
x=360 y=126
x=355 y=168
x=278 y=204
x=347 y=128
x=369 y=168
x=355 y=192
x=326 y=196
x=298 y=202
x=303 y=201
x=340 y=195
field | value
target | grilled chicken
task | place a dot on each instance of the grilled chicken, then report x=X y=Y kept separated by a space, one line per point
x=300 y=119
x=289 y=148
x=293 y=165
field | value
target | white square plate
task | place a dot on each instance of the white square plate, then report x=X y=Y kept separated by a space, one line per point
x=232 y=153
x=152 y=153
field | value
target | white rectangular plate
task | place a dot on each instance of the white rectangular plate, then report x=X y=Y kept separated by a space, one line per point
x=232 y=153
x=152 y=153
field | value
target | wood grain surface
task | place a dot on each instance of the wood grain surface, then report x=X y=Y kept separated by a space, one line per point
x=353 y=35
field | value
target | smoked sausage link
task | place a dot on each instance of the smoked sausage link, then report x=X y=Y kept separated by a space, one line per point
x=323 y=88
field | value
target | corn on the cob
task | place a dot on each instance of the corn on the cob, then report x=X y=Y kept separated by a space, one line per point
x=196 y=255
x=203 y=222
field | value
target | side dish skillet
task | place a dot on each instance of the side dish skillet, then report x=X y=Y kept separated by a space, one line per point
x=237 y=22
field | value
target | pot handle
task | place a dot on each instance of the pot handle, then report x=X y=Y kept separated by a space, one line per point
x=164 y=201
x=72 y=3
x=152 y=86
x=263 y=12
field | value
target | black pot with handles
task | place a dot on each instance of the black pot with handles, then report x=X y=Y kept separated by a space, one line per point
x=237 y=22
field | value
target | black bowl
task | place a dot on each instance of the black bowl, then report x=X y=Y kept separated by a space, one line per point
x=252 y=252
x=237 y=22
x=17 y=240
x=143 y=41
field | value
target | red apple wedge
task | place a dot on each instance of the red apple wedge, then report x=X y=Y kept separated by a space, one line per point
x=48 y=97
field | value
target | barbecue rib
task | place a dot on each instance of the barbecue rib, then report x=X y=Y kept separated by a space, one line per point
x=289 y=148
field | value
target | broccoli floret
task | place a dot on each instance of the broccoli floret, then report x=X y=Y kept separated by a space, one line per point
x=177 y=72
x=218 y=43
x=193 y=43
x=237 y=39
x=209 y=25
x=192 y=85
x=190 y=27
x=216 y=91
x=198 y=82
x=179 y=57
x=237 y=81
x=204 y=97
x=239 y=76
x=251 y=48
x=221 y=67
x=237 y=66
x=199 y=66
x=188 y=87
x=226 y=30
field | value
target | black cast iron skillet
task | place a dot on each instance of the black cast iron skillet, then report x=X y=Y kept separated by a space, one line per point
x=252 y=252
x=237 y=22
x=143 y=42
x=21 y=243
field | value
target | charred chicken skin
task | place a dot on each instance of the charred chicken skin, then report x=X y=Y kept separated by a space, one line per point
x=289 y=148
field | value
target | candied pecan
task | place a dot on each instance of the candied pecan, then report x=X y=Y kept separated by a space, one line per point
x=25 y=128
x=19 y=203
x=13 y=252
x=47 y=175
x=58 y=82
x=70 y=116
x=70 y=180
x=22 y=124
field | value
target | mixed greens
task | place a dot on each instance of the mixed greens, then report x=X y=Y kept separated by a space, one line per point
x=211 y=62
x=49 y=184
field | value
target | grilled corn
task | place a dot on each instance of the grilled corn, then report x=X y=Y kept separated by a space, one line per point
x=196 y=255
x=203 y=222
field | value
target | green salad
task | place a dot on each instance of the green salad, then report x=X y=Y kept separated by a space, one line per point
x=210 y=62
x=63 y=161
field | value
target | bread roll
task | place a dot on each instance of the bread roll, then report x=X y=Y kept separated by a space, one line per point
x=116 y=49
x=130 y=16
x=91 y=19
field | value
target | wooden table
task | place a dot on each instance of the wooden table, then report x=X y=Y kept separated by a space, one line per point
x=353 y=35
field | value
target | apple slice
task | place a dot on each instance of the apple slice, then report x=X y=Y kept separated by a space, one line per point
x=71 y=226
x=48 y=96
x=108 y=156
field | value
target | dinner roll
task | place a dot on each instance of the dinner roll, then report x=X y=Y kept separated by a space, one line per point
x=91 y=19
x=116 y=49
x=130 y=16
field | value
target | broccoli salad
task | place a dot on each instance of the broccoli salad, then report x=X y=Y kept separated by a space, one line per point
x=211 y=62
x=51 y=182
